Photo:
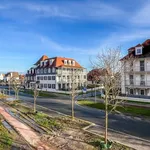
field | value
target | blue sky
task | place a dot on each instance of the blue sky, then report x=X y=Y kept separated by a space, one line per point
x=78 y=29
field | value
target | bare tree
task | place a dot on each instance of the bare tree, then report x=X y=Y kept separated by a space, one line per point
x=110 y=62
x=35 y=94
x=15 y=85
x=74 y=89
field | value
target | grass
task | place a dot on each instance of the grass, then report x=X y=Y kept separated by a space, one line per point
x=5 y=138
x=45 y=121
x=127 y=109
x=41 y=93
x=137 y=102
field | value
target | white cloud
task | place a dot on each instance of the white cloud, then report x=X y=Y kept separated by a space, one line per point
x=75 y=10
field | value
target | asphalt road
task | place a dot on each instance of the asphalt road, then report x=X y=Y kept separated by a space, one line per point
x=133 y=126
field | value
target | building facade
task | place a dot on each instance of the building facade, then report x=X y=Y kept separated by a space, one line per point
x=1 y=76
x=8 y=76
x=135 y=77
x=56 y=73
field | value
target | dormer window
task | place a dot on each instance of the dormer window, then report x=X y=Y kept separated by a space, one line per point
x=73 y=63
x=41 y=63
x=65 y=62
x=51 y=61
x=45 y=62
x=69 y=61
x=138 y=50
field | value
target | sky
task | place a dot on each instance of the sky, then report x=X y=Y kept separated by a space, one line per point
x=78 y=29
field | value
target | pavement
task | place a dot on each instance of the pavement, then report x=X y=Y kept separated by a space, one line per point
x=125 y=124
x=133 y=126
x=125 y=139
x=29 y=135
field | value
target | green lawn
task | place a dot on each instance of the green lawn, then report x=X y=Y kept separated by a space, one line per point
x=5 y=137
x=136 y=102
x=41 y=93
x=127 y=109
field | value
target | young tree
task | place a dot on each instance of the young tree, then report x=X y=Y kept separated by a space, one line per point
x=110 y=62
x=74 y=88
x=35 y=94
x=15 y=85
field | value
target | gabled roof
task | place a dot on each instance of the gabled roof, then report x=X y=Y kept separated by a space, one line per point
x=132 y=49
x=146 y=43
x=44 y=57
x=59 y=62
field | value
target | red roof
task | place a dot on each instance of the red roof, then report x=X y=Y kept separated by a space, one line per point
x=132 y=49
x=44 y=57
x=59 y=62
x=146 y=43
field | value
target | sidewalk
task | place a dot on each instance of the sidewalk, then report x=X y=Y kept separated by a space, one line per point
x=126 y=139
x=29 y=135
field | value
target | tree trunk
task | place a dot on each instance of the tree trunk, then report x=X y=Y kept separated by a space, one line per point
x=106 y=119
x=72 y=107
x=17 y=97
x=95 y=92
x=34 y=104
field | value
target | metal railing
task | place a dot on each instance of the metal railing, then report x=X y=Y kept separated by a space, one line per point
x=137 y=83
x=137 y=68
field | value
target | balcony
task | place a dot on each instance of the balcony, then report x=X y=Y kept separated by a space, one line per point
x=137 y=69
x=137 y=83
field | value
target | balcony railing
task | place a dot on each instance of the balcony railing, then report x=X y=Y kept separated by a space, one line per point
x=137 y=68
x=137 y=83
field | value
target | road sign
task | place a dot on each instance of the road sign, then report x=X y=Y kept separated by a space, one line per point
x=84 y=90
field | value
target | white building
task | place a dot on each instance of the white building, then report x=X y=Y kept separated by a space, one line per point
x=10 y=75
x=1 y=76
x=56 y=74
x=136 y=71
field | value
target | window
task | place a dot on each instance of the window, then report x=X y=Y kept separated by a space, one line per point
x=45 y=77
x=53 y=86
x=41 y=70
x=142 y=92
x=138 y=50
x=49 y=70
x=49 y=77
x=38 y=78
x=142 y=80
x=45 y=70
x=41 y=85
x=49 y=86
x=45 y=85
x=131 y=91
x=53 y=77
x=53 y=70
x=65 y=62
x=142 y=67
x=41 y=77
x=131 y=79
x=84 y=76
x=38 y=71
